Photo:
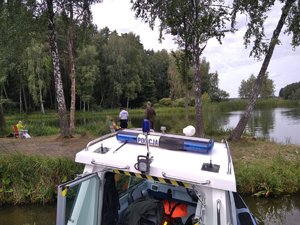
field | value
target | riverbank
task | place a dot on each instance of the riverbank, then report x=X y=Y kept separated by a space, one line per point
x=31 y=169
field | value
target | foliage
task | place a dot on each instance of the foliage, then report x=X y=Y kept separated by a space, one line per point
x=37 y=68
x=86 y=69
x=175 y=80
x=205 y=98
x=291 y=91
x=267 y=89
x=165 y=102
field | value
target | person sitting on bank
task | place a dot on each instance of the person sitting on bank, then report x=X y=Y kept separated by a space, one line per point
x=23 y=133
x=123 y=116
x=112 y=125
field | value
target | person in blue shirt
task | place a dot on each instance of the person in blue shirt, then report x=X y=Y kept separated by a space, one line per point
x=123 y=116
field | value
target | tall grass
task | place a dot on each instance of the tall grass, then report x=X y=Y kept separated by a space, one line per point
x=263 y=177
x=33 y=179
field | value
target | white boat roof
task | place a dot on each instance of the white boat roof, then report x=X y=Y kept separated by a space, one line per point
x=183 y=166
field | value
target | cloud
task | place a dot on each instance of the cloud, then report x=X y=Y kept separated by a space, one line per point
x=231 y=59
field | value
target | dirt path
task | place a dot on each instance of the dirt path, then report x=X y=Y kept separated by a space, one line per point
x=49 y=145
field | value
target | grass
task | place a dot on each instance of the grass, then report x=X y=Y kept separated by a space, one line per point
x=33 y=179
x=265 y=168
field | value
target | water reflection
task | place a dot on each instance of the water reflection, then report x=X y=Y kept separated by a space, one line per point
x=28 y=215
x=279 y=124
x=275 y=211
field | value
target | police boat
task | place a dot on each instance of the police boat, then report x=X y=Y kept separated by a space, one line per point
x=136 y=177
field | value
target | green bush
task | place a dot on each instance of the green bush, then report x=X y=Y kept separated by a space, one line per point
x=165 y=102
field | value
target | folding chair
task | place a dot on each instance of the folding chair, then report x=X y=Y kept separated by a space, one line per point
x=16 y=131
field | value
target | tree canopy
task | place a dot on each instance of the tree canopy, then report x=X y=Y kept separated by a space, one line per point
x=246 y=87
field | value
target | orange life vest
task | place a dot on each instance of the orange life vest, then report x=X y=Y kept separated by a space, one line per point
x=173 y=210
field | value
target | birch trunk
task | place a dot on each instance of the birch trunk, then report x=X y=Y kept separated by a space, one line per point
x=239 y=129
x=60 y=98
x=72 y=69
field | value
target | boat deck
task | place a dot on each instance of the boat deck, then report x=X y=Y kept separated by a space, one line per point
x=212 y=169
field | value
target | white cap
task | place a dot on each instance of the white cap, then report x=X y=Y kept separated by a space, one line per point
x=189 y=131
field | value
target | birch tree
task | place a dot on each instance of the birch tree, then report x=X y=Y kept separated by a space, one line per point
x=257 y=13
x=60 y=96
x=193 y=23
x=37 y=66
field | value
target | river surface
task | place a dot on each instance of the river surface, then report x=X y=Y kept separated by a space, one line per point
x=268 y=211
x=280 y=124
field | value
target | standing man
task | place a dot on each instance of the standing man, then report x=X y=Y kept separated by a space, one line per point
x=150 y=114
x=123 y=116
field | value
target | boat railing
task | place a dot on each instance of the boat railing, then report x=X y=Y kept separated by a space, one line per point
x=99 y=139
x=229 y=157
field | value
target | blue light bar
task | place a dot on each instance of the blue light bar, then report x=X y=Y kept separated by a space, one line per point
x=171 y=142
x=128 y=137
x=196 y=146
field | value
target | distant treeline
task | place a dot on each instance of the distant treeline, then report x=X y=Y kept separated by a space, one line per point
x=291 y=91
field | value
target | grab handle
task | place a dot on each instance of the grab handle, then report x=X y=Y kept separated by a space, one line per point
x=185 y=180
x=127 y=167
x=218 y=212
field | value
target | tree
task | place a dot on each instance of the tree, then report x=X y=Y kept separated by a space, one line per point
x=175 y=82
x=37 y=66
x=268 y=88
x=247 y=86
x=124 y=66
x=291 y=91
x=60 y=97
x=75 y=12
x=158 y=66
x=87 y=69
x=215 y=93
x=193 y=23
x=257 y=12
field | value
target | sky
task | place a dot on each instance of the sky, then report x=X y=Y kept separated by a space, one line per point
x=231 y=60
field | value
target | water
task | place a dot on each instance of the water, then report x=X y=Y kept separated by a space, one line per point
x=268 y=211
x=276 y=211
x=280 y=124
x=28 y=215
